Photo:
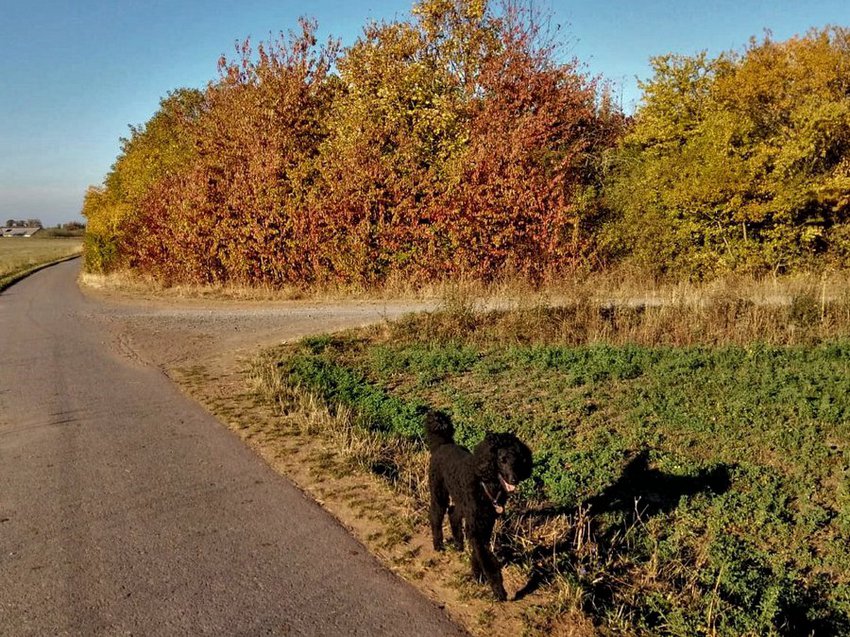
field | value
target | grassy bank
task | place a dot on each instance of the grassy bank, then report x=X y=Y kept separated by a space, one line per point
x=20 y=255
x=691 y=462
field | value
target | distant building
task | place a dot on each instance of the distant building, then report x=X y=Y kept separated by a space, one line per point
x=18 y=232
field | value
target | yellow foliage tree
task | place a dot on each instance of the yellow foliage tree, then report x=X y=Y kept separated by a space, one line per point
x=739 y=161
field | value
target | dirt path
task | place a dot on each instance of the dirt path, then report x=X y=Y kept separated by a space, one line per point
x=171 y=333
x=126 y=509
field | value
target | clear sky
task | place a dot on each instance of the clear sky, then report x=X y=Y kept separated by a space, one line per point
x=76 y=73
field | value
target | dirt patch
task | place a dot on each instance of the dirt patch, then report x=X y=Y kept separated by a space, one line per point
x=171 y=333
x=392 y=527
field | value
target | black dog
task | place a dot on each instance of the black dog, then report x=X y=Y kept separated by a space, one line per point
x=478 y=485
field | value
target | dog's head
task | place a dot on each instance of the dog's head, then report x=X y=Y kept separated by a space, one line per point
x=503 y=459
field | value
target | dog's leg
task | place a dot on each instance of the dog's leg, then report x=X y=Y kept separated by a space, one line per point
x=490 y=565
x=456 y=520
x=477 y=573
x=439 y=504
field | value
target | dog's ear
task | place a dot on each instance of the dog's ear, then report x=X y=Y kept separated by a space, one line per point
x=495 y=439
x=494 y=442
x=485 y=456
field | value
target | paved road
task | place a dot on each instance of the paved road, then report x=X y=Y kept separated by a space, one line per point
x=126 y=509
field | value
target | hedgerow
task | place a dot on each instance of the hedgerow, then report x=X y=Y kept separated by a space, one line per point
x=456 y=141
x=459 y=141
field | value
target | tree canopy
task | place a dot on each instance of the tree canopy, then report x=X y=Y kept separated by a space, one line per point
x=461 y=141
x=739 y=162
x=452 y=141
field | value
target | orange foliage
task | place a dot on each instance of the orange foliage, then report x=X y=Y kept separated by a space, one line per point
x=450 y=143
x=236 y=212
x=516 y=204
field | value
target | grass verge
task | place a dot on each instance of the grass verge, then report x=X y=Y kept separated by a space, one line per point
x=334 y=461
x=617 y=287
x=691 y=460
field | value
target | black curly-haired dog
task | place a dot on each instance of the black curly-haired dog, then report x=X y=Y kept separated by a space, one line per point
x=473 y=488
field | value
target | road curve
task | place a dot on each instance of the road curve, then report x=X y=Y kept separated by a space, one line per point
x=125 y=509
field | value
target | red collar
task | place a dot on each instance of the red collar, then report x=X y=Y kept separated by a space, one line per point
x=499 y=508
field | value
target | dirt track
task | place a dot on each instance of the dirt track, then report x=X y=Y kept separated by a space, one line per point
x=127 y=509
x=169 y=333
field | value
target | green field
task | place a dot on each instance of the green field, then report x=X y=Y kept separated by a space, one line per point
x=18 y=255
x=705 y=489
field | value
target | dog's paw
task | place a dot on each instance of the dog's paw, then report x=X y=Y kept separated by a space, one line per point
x=500 y=594
x=458 y=544
x=439 y=547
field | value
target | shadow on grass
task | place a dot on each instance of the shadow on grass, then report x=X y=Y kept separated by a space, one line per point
x=638 y=494
x=642 y=491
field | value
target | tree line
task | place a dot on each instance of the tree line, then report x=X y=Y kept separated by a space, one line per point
x=23 y=223
x=458 y=141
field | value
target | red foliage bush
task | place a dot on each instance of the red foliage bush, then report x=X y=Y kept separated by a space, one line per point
x=451 y=143
x=533 y=135
x=236 y=212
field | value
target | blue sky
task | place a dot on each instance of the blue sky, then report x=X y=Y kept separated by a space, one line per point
x=76 y=73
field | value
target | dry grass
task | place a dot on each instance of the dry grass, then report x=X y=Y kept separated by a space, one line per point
x=17 y=255
x=128 y=283
x=618 y=288
x=606 y=309
x=398 y=460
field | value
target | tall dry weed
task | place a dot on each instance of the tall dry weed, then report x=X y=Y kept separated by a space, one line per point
x=599 y=309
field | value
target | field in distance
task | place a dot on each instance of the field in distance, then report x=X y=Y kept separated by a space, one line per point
x=17 y=255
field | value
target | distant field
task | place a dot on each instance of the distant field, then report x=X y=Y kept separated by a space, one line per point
x=20 y=254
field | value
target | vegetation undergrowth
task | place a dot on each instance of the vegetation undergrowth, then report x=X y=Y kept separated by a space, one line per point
x=691 y=466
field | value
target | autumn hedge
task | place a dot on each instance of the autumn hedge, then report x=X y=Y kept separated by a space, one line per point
x=459 y=142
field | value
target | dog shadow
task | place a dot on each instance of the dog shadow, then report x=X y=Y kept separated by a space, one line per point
x=643 y=491
x=639 y=493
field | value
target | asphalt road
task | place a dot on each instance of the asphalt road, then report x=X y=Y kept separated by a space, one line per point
x=125 y=509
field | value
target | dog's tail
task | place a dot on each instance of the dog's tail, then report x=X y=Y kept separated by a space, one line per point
x=439 y=429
